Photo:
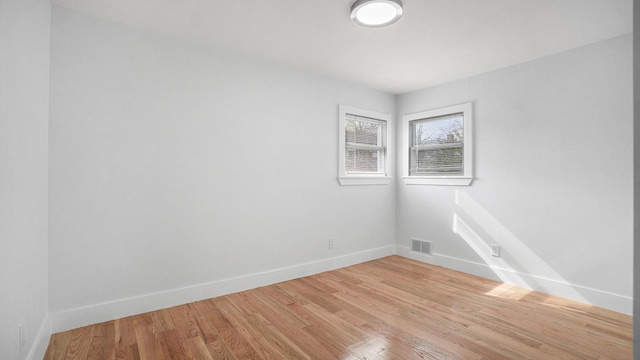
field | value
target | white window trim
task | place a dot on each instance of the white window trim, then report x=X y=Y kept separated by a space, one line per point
x=361 y=179
x=459 y=180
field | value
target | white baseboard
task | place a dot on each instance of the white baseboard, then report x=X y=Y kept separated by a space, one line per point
x=591 y=296
x=41 y=342
x=96 y=313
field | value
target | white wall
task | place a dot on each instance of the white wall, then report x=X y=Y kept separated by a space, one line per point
x=554 y=177
x=24 y=99
x=172 y=166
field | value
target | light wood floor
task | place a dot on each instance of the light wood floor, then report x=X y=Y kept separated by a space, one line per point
x=391 y=308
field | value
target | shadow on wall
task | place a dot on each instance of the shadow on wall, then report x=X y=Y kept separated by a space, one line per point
x=517 y=264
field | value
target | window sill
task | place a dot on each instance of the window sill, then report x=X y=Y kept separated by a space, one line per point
x=364 y=180
x=438 y=180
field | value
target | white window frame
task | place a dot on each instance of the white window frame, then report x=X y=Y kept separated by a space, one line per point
x=345 y=178
x=461 y=180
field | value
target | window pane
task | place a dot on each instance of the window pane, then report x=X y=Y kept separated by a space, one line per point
x=360 y=131
x=358 y=160
x=437 y=145
x=361 y=134
x=439 y=130
x=445 y=160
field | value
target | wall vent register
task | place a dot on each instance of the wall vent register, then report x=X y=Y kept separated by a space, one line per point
x=421 y=246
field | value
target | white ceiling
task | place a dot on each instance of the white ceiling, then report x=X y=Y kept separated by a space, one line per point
x=435 y=41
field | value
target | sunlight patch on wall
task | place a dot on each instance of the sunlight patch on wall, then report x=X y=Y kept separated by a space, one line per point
x=518 y=264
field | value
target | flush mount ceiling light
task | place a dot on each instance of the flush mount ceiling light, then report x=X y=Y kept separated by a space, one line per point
x=376 y=13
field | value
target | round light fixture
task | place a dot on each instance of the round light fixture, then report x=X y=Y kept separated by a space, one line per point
x=376 y=13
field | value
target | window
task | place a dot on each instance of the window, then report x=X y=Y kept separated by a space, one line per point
x=363 y=147
x=363 y=144
x=438 y=146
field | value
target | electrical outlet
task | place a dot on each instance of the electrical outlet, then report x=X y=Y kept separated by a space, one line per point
x=495 y=250
x=332 y=242
x=21 y=336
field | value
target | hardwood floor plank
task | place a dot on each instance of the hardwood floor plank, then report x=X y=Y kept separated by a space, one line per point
x=125 y=338
x=287 y=323
x=173 y=347
x=211 y=338
x=239 y=347
x=183 y=320
x=206 y=328
x=201 y=350
x=79 y=343
x=277 y=309
x=246 y=324
x=390 y=308
x=57 y=346
x=147 y=339
x=103 y=342
x=162 y=320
